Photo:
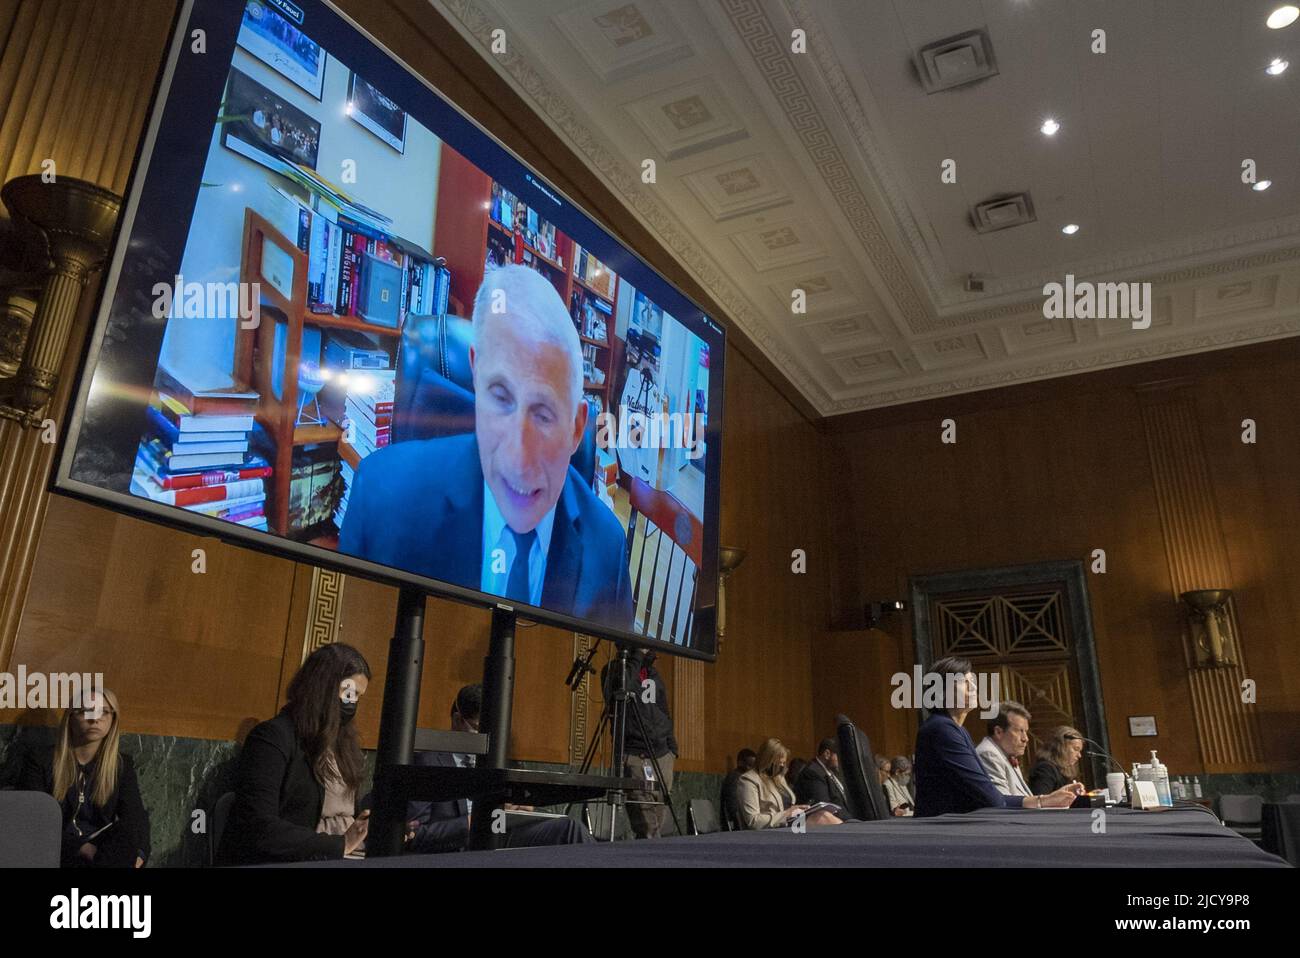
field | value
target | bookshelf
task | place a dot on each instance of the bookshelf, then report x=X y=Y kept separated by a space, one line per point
x=255 y=356
x=467 y=232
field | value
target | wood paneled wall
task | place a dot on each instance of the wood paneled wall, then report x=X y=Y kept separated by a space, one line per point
x=205 y=654
x=1061 y=475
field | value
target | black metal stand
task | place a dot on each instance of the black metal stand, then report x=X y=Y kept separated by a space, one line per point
x=397 y=723
x=498 y=701
x=614 y=716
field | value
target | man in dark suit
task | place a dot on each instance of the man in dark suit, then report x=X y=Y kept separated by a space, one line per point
x=746 y=759
x=502 y=511
x=819 y=781
x=445 y=826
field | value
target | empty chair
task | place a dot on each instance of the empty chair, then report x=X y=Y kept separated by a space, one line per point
x=858 y=763
x=702 y=816
x=220 y=815
x=31 y=830
x=1242 y=814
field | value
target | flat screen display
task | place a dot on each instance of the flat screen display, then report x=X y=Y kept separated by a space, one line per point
x=343 y=323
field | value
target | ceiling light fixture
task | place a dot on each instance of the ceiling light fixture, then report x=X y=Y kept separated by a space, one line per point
x=1262 y=185
x=1049 y=127
x=1069 y=229
x=1277 y=67
x=1283 y=16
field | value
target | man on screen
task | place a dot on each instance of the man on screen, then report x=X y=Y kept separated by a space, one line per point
x=501 y=510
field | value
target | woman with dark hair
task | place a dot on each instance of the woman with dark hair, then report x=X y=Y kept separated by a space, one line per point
x=1058 y=760
x=296 y=788
x=104 y=821
x=949 y=774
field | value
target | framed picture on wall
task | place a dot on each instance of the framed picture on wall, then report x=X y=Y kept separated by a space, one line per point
x=377 y=113
x=259 y=122
x=267 y=35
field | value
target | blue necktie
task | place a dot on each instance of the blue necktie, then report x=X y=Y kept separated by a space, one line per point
x=517 y=584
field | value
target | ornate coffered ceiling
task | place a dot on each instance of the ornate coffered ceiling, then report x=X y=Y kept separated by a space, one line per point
x=820 y=169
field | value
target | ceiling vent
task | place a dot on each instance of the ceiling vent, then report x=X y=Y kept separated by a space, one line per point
x=1002 y=212
x=956 y=61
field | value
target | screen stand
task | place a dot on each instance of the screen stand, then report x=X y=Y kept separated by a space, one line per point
x=397 y=722
x=498 y=699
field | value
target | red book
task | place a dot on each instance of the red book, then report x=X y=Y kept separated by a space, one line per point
x=213 y=477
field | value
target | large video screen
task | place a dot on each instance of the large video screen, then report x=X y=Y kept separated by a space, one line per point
x=343 y=323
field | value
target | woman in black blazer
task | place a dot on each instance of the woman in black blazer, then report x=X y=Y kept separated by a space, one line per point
x=1058 y=761
x=295 y=791
x=105 y=824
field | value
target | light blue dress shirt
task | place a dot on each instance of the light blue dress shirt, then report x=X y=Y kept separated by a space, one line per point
x=496 y=535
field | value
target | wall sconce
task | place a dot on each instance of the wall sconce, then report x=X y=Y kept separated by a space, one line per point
x=730 y=559
x=1213 y=641
x=76 y=220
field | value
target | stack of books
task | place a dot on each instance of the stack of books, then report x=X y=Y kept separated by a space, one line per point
x=593 y=272
x=195 y=454
x=367 y=423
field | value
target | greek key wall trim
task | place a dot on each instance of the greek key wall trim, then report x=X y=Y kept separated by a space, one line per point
x=324 y=610
x=580 y=708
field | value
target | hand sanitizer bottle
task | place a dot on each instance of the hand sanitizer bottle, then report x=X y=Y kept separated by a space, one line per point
x=1160 y=774
x=1196 y=786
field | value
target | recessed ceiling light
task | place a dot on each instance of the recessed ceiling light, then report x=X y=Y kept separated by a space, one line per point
x=1262 y=185
x=1277 y=66
x=1283 y=16
x=1050 y=127
x=1069 y=229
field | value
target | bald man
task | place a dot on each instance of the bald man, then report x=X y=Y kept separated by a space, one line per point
x=500 y=509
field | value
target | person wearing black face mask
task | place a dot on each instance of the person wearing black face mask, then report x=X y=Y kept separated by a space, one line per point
x=296 y=787
x=651 y=737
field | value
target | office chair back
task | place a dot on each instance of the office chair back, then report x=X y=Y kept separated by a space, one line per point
x=671 y=539
x=1241 y=809
x=703 y=819
x=861 y=783
x=434 y=394
x=31 y=829
x=217 y=827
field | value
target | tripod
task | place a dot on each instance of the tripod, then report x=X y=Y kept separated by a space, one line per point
x=614 y=715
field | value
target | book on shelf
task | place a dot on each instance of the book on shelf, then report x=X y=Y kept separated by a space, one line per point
x=184 y=420
x=207 y=392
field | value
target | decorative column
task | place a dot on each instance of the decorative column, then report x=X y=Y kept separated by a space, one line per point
x=1198 y=560
x=75 y=79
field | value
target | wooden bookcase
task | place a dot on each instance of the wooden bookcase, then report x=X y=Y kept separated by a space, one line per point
x=255 y=353
x=462 y=231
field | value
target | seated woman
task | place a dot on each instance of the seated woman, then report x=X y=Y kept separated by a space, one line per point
x=1058 y=760
x=105 y=824
x=766 y=800
x=949 y=774
x=896 y=795
x=296 y=788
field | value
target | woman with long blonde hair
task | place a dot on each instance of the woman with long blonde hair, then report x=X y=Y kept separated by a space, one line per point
x=105 y=824
x=766 y=799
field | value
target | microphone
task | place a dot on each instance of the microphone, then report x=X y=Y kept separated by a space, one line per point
x=1102 y=753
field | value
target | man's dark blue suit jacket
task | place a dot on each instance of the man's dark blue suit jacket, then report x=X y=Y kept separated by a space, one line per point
x=418 y=506
x=949 y=774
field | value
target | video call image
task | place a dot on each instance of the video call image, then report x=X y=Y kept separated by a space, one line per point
x=405 y=362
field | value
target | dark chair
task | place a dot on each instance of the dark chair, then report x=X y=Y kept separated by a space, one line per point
x=1280 y=830
x=701 y=816
x=31 y=829
x=1242 y=813
x=220 y=815
x=670 y=531
x=434 y=393
x=858 y=762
